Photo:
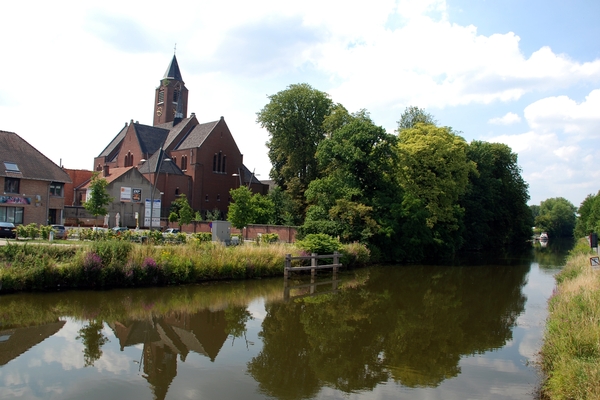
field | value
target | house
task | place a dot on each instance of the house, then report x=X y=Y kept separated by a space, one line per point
x=33 y=186
x=180 y=155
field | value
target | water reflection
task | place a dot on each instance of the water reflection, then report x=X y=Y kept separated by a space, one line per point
x=410 y=324
x=405 y=325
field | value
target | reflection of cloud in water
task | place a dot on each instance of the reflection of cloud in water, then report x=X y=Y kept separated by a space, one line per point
x=114 y=362
x=495 y=364
x=69 y=356
x=257 y=309
x=529 y=345
x=69 y=330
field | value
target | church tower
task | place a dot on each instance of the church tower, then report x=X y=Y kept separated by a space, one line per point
x=170 y=100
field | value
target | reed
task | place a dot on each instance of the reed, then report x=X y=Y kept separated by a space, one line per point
x=570 y=354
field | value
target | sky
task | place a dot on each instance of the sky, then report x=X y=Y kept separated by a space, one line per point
x=521 y=72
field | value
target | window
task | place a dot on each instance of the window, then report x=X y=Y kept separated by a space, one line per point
x=224 y=161
x=183 y=163
x=11 y=214
x=11 y=167
x=128 y=162
x=218 y=197
x=219 y=163
x=56 y=189
x=206 y=198
x=215 y=163
x=176 y=95
x=161 y=96
x=11 y=185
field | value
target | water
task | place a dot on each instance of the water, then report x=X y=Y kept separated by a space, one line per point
x=414 y=332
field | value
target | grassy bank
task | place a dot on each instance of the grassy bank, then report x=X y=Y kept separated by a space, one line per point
x=117 y=263
x=570 y=354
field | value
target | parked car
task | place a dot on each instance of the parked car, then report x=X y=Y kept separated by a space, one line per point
x=8 y=230
x=172 y=230
x=59 y=232
x=120 y=229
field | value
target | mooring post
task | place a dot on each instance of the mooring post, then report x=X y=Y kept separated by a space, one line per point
x=336 y=262
x=313 y=263
x=286 y=267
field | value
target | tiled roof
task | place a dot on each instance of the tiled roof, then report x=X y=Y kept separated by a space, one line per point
x=167 y=167
x=150 y=137
x=113 y=174
x=116 y=142
x=31 y=163
x=197 y=136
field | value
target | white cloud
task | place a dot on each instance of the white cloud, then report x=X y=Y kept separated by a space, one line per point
x=508 y=119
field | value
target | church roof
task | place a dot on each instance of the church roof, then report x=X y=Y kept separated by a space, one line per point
x=197 y=136
x=173 y=70
x=115 y=143
x=167 y=167
x=19 y=159
x=150 y=137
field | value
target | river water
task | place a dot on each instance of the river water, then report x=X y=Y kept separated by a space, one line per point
x=401 y=332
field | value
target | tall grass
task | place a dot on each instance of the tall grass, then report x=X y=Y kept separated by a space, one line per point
x=570 y=354
x=117 y=263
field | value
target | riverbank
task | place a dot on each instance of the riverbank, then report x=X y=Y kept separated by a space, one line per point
x=117 y=263
x=570 y=353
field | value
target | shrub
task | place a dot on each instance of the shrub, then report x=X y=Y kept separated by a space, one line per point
x=319 y=243
x=269 y=238
x=201 y=237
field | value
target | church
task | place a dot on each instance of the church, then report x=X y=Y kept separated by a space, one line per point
x=178 y=154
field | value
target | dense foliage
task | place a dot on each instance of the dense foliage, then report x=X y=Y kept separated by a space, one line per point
x=589 y=216
x=557 y=217
x=421 y=193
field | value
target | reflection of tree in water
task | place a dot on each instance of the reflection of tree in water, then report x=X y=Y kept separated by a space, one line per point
x=412 y=324
x=236 y=318
x=92 y=339
x=554 y=254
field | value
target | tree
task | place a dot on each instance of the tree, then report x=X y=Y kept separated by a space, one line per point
x=240 y=210
x=495 y=203
x=355 y=196
x=98 y=198
x=283 y=207
x=412 y=116
x=247 y=208
x=182 y=210
x=294 y=119
x=434 y=171
x=589 y=216
x=557 y=217
x=93 y=339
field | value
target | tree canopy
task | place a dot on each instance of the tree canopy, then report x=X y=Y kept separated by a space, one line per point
x=412 y=116
x=294 y=119
x=557 y=217
x=589 y=216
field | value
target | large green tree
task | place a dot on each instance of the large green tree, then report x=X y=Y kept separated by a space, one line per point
x=589 y=216
x=496 y=210
x=294 y=119
x=98 y=198
x=434 y=172
x=356 y=197
x=557 y=217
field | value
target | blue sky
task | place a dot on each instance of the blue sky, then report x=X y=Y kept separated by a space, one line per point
x=524 y=73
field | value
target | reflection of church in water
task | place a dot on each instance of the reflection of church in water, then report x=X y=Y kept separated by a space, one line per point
x=166 y=338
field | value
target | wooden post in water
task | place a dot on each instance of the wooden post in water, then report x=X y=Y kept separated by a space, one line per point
x=313 y=271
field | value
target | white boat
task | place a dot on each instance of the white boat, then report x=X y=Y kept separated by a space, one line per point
x=543 y=237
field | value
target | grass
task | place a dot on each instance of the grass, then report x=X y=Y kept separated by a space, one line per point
x=117 y=263
x=570 y=354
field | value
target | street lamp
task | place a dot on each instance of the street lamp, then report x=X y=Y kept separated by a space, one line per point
x=156 y=175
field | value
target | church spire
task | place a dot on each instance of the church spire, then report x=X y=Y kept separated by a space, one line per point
x=170 y=102
x=172 y=71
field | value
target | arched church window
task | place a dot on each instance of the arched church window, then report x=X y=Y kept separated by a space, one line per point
x=161 y=96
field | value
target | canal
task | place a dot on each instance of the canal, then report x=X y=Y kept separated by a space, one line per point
x=404 y=332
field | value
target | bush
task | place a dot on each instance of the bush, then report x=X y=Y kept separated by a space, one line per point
x=202 y=237
x=269 y=238
x=319 y=243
